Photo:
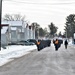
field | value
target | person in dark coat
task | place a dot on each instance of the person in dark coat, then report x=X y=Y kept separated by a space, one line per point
x=56 y=44
x=66 y=43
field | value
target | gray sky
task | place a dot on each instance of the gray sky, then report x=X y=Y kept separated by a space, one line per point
x=41 y=11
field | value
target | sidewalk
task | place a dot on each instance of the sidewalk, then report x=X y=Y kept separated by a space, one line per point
x=14 y=52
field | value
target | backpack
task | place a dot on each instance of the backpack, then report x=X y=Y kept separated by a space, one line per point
x=38 y=43
x=56 y=42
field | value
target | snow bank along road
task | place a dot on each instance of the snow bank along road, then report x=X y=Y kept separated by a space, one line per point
x=44 y=62
x=14 y=51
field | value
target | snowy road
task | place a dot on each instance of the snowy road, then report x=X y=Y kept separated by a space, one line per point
x=45 y=62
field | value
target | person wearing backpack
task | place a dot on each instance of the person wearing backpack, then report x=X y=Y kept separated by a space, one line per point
x=56 y=44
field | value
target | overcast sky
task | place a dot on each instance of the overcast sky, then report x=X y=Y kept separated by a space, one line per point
x=41 y=11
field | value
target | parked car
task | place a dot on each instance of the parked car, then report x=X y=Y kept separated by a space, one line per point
x=12 y=43
x=32 y=40
x=25 y=43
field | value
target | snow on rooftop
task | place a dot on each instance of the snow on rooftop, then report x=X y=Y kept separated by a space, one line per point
x=13 y=23
x=13 y=28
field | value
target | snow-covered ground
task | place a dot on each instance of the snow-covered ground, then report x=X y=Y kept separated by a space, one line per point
x=18 y=51
x=13 y=52
x=71 y=44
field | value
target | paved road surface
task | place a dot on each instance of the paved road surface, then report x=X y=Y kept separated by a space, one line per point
x=45 y=62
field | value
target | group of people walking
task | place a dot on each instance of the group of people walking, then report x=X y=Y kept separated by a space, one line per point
x=57 y=43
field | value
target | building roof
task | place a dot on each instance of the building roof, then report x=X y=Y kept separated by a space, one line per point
x=13 y=23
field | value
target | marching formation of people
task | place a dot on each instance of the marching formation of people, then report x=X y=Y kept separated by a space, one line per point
x=46 y=43
x=57 y=43
x=42 y=44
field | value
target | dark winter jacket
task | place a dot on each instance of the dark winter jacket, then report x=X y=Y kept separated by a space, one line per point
x=66 y=42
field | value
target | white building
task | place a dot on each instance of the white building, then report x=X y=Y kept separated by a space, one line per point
x=4 y=36
x=17 y=30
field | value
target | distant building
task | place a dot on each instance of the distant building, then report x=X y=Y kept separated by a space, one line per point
x=4 y=33
x=16 y=31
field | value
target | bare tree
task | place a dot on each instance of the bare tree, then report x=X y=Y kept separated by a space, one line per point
x=13 y=17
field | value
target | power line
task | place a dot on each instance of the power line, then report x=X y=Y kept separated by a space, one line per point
x=26 y=2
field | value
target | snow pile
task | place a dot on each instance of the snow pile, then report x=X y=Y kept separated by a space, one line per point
x=13 y=52
x=70 y=42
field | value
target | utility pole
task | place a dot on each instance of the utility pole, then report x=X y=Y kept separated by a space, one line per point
x=0 y=20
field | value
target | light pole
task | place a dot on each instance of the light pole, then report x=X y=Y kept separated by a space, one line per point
x=0 y=20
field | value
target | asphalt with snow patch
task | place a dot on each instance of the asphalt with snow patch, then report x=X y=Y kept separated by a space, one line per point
x=44 y=62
